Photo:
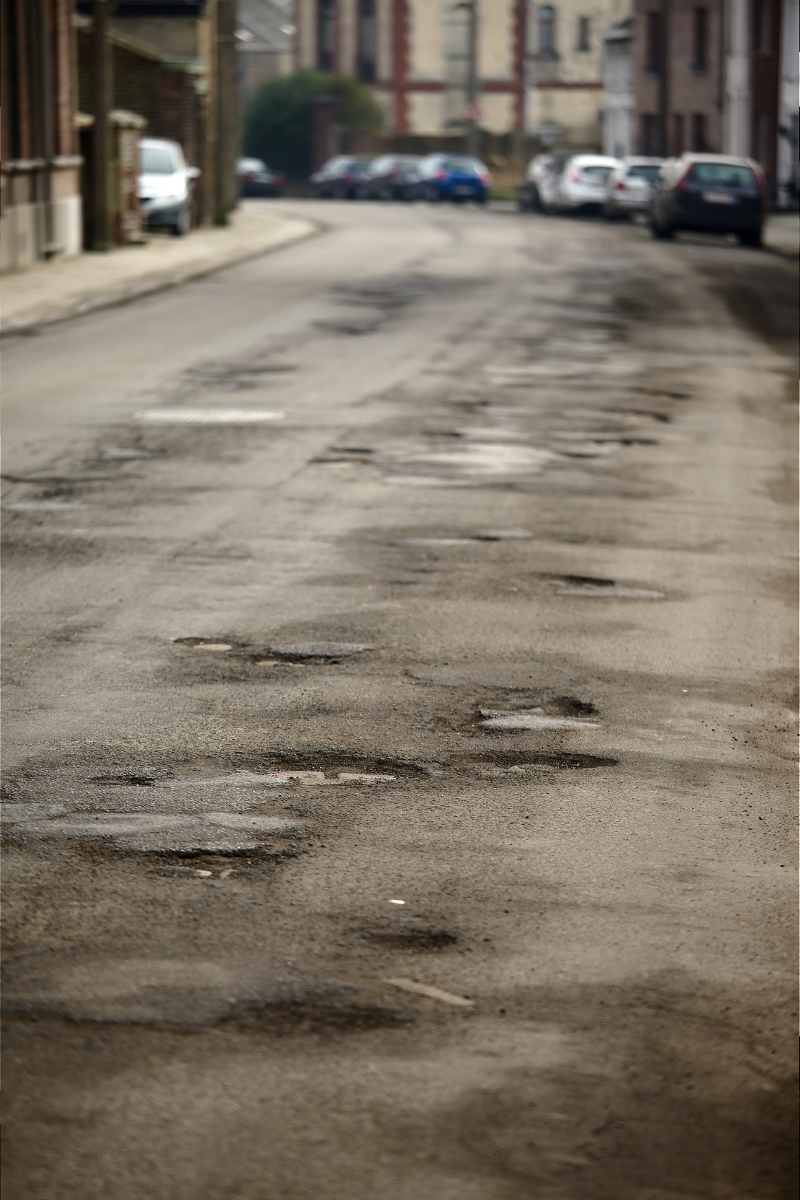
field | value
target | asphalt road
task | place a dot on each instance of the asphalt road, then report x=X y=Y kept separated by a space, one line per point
x=520 y=550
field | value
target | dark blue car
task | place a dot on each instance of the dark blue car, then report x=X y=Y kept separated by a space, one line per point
x=453 y=177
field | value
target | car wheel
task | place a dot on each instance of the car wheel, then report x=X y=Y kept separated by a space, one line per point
x=432 y=194
x=662 y=233
x=750 y=237
x=183 y=222
x=609 y=213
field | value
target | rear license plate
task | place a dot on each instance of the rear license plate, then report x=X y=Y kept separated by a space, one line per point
x=719 y=198
x=463 y=191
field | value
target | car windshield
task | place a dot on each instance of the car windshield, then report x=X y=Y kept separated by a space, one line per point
x=158 y=160
x=601 y=173
x=726 y=175
x=644 y=171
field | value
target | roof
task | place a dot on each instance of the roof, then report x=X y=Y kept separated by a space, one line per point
x=268 y=24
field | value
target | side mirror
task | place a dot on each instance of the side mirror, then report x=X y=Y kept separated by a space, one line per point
x=193 y=172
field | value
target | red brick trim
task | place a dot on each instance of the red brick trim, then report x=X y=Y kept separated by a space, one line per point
x=400 y=64
x=559 y=85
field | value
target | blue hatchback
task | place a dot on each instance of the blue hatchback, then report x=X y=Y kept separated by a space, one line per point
x=453 y=177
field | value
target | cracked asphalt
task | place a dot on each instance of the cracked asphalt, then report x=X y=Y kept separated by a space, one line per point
x=400 y=698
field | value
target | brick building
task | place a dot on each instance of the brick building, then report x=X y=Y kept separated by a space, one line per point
x=719 y=76
x=677 y=57
x=40 y=201
x=538 y=66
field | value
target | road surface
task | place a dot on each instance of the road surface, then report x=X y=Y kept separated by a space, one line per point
x=400 y=782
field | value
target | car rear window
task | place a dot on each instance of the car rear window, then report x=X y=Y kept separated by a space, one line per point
x=725 y=175
x=460 y=164
x=157 y=160
x=601 y=173
x=644 y=172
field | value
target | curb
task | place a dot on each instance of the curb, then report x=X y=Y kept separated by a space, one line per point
x=113 y=297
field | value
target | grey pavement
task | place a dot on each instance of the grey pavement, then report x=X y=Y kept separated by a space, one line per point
x=400 y=790
x=68 y=287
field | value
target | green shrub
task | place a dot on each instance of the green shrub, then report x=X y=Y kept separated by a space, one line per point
x=277 y=123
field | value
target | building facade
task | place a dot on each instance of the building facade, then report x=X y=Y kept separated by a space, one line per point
x=40 y=194
x=537 y=68
x=619 y=134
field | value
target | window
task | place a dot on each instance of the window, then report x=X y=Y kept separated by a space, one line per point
x=763 y=25
x=699 y=137
x=157 y=160
x=547 y=30
x=678 y=134
x=583 y=37
x=651 y=135
x=700 y=39
x=724 y=175
x=326 y=34
x=653 y=43
x=365 y=66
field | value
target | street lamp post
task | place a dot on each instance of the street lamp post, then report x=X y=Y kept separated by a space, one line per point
x=472 y=115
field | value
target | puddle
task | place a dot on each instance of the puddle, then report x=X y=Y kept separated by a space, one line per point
x=122 y=454
x=532 y=719
x=163 y=833
x=208 y=416
x=54 y=505
x=434 y=541
x=296 y=650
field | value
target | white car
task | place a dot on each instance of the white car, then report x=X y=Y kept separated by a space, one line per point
x=164 y=185
x=581 y=186
x=630 y=186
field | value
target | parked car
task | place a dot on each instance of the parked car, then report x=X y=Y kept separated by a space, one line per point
x=629 y=187
x=164 y=186
x=340 y=177
x=712 y=193
x=454 y=177
x=387 y=176
x=581 y=186
x=544 y=166
x=256 y=179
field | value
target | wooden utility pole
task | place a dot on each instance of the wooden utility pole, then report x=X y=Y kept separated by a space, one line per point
x=102 y=103
x=227 y=143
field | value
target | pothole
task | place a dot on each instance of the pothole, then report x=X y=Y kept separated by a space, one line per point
x=327 y=650
x=561 y=760
x=408 y=938
x=299 y=1018
x=132 y=777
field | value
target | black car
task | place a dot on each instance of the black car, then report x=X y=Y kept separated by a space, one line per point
x=387 y=177
x=710 y=193
x=256 y=179
x=340 y=177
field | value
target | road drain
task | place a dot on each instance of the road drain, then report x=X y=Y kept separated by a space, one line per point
x=208 y=416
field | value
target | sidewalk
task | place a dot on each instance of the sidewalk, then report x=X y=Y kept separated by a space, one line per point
x=64 y=288
x=782 y=234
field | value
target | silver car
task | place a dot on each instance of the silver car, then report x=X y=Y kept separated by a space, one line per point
x=164 y=185
x=629 y=188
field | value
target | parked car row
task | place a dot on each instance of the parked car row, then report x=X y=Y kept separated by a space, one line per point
x=456 y=177
x=709 y=193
